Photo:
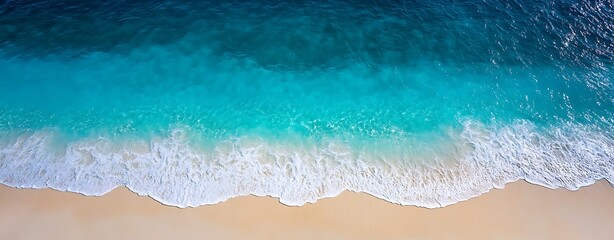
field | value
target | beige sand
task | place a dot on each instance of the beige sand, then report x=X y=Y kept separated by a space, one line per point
x=520 y=211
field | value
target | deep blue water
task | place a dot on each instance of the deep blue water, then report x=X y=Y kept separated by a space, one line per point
x=313 y=97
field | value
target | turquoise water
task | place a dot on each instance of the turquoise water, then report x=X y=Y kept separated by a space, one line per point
x=195 y=102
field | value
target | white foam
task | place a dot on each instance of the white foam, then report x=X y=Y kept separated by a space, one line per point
x=174 y=173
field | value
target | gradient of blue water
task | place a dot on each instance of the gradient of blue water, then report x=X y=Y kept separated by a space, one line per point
x=356 y=71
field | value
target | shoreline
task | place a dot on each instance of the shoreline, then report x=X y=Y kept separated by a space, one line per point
x=521 y=210
x=176 y=173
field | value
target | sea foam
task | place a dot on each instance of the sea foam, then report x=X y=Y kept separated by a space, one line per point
x=176 y=172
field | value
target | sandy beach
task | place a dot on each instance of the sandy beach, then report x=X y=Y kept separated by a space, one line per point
x=520 y=211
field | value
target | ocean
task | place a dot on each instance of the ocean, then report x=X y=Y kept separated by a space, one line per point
x=423 y=103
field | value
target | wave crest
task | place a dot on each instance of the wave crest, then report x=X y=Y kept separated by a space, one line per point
x=176 y=173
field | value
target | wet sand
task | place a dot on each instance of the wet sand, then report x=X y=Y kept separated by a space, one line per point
x=520 y=211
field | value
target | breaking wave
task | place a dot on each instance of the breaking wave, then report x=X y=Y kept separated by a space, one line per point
x=177 y=172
